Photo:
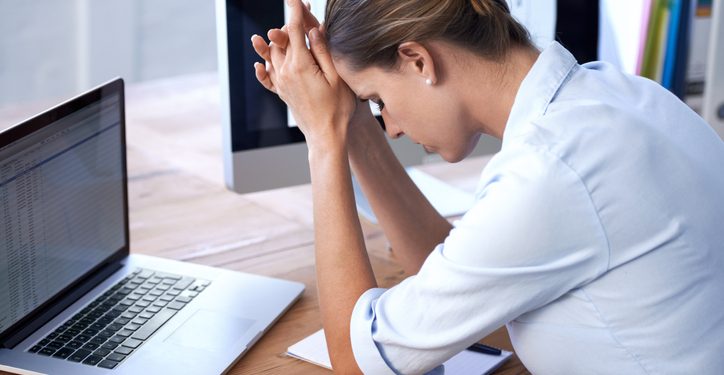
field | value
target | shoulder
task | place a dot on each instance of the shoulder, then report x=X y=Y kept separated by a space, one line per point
x=531 y=207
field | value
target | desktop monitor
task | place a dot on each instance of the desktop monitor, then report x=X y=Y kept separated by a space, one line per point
x=262 y=147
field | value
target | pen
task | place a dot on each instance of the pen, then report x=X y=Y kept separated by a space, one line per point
x=480 y=348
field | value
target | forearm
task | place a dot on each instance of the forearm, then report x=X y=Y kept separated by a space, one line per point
x=342 y=264
x=412 y=226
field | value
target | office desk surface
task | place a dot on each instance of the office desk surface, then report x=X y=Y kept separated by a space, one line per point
x=180 y=209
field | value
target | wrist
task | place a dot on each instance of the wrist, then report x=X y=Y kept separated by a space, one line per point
x=331 y=148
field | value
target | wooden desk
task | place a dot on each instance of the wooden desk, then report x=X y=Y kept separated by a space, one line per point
x=180 y=209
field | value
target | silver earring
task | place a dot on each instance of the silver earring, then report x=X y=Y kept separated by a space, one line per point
x=428 y=82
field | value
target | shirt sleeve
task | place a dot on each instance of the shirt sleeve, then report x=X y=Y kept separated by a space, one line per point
x=533 y=235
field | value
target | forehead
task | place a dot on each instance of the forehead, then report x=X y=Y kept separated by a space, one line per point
x=363 y=82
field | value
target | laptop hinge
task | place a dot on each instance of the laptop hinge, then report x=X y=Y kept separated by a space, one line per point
x=17 y=334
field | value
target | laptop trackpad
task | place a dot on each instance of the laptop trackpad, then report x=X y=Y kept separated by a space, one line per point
x=210 y=330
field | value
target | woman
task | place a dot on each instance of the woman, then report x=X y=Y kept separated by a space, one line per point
x=597 y=232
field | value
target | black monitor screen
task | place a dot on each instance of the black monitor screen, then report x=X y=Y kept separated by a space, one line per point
x=62 y=203
x=258 y=117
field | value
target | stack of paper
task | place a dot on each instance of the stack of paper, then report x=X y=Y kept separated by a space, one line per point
x=313 y=349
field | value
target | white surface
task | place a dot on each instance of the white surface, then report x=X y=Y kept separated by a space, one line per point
x=538 y=16
x=448 y=200
x=15 y=370
x=620 y=30
x=313 y=349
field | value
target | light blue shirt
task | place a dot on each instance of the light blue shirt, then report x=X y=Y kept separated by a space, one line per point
x=597 y=237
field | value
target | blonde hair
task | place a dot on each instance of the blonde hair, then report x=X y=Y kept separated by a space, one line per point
x=368 y=32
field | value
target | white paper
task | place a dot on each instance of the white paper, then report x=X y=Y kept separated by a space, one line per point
x=313 y=349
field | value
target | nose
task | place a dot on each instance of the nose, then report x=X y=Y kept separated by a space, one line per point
x=392 y=130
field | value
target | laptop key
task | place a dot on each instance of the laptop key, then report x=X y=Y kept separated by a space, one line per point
x=64 y=338
x=117 y=339
x=184 y=283
x=35 y=349
x=91 y=346
x=128 y=315
x=115 y=326
x=83 y=337
x=79 y=355
x=102 y=352
x=168 y=276
x=183 y=299
x=176 y=305
x=116 y=357
x=63 y=353
x=55 y=345
x=132 y=343
x=98 y=340
x=93 y=360
x=108 y=364
x=107 y=333
x=46 y=351
x=139 y=321
x=71 y=332
x=110 y=345
x=74 y=344
x=124 y=333
x=154 y=324
x=123 y=350
x=79 y=326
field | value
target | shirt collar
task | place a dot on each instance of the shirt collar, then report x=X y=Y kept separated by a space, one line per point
x=538 y=88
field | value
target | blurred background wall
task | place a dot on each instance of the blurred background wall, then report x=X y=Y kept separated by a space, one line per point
x=56 y=48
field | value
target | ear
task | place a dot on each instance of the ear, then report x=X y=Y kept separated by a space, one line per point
x=417 y=59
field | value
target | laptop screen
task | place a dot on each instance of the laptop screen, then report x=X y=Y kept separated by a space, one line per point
x=62 y=205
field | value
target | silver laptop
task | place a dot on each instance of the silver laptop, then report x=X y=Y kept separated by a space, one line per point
x=72 y=298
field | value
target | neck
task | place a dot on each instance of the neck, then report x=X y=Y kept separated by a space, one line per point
x=489 y=92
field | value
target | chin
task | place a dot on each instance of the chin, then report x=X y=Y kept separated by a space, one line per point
x=454 y=158
x=459 y=154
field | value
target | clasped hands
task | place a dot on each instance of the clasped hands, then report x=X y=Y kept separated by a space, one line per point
x=306 y=79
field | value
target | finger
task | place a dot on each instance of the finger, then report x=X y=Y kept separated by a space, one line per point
x=260 y=46
x=279 y=37
x=295 y=28
x=321 y=54
x=263 y=77
x=278 y=56
x=310 y=21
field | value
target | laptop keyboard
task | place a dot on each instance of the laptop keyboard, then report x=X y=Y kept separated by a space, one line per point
x=119 y=321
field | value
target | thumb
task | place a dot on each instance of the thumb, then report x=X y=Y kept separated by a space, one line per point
x=321 y=53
